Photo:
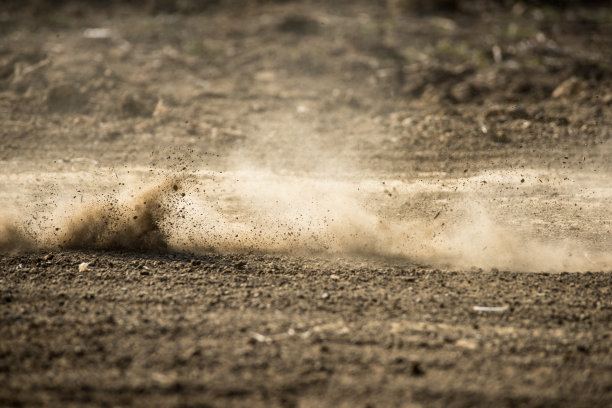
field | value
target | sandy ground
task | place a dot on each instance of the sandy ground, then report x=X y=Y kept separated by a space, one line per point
x=305 y=204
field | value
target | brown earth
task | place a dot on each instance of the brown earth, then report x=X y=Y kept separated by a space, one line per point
x=260 y=203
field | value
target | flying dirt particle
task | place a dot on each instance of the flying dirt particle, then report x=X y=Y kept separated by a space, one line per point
x=83 y=266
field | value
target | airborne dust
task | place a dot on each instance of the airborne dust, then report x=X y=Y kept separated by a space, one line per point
x=528 y=220
x=299 y=107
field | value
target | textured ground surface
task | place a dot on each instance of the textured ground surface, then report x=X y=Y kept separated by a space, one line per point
x=301 y=204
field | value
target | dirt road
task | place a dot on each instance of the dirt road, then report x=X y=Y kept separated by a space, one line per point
x=305 y=204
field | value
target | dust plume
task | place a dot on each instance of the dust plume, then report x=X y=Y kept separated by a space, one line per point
x=13 y=238
x=137 y=218
x=138 y=223
x=524 y=220
x=451 y=223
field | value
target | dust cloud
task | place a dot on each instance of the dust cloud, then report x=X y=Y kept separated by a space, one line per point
x=529 y=220
x=132 y=224
x=12 y=237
